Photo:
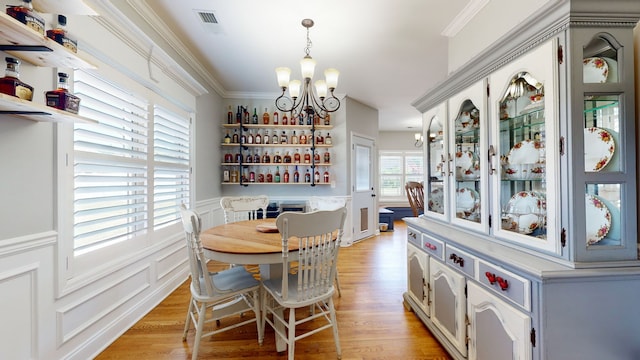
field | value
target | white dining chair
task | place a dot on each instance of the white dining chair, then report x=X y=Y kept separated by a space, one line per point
x=216 y=295
x=328 y=203
x=238 y=208
x=318 y=237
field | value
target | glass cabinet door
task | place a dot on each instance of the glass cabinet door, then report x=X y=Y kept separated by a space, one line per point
x=609 y=197
x=438 y=165
x=468 y=139
x=524 y=151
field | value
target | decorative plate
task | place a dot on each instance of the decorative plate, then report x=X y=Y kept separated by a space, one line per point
x=525 y=152
x=464 y=160
x=598 y=148
x=526 y=211
x=613 y=70
x=467 y=202
x=436 y=201
x=598 y=218
x=594 y=70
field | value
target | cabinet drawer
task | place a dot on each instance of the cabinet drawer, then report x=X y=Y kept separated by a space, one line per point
x=414 y=236
x=433 y=246
x=460 y=260
x=505 y=283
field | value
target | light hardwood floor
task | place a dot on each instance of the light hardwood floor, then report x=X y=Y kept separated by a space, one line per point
x=372 y=320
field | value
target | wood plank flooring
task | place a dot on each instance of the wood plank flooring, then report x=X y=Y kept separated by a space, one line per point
x=372 y=320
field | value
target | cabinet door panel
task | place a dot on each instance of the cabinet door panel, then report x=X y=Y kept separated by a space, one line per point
x=417 y=273
x=448 y=304
x=497 y=330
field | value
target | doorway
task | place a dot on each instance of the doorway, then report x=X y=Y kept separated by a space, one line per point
x=363 y=186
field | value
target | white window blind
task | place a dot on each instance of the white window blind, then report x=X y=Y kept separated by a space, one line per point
x=396 y=168
x=171 y=166
x=110 y=164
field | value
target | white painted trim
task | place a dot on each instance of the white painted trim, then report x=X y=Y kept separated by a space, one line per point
x=463 y=18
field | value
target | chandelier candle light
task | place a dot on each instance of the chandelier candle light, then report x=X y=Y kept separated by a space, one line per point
x=308 y=101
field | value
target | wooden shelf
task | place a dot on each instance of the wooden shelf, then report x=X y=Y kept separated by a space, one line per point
x=275 y=164
x=33 y=111
x=274 y=183
x=31 y=46
x=278 y=145
x=279 y=126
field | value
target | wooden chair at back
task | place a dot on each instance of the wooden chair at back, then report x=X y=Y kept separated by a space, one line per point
x=415 y=194
x=238 y=208
x=313 y=284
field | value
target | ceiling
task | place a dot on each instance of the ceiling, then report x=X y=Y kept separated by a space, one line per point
x=388 y=52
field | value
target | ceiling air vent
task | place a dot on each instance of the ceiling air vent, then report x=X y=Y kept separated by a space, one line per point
x=209 y=21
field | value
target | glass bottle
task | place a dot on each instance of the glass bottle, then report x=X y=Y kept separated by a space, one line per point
x=235 y=138
x=296 y=175
x=285 y=120
x=316 y=158
x=275 y=139
x=252 y=176
x=327 y=119
x=307 y=157
x=307 y=176
x=238 y=116
x=256 y=157
x=285 y=176
x=228 y=158
x=26 y=15
x=227 y=138
x=296 y=157
x=230 y=116
x=286 y=158
x=294 y=138
x=250 y=137
x=327 y=140
x=319 y=139
x=261 y=178
x=326 y=175
x=248 y=158
x=275 y=118
x=277 y=158
x=303 y=138
x=276 y=178
x=283 y=138
x=265 y=117
x=254 y=118
x=11 y=84
x=258 y=139
x=316 y=119
x=245 y=115
x=238 y=158
x=266 y=158
x=327 y=157
x=243 y=138
x=269 y=176
x=301 y=119
x=60 y=35
x=316 y=176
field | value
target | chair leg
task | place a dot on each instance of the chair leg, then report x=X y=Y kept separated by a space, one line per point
x=187 y=322
x=201 y=318
x=292 y=333
x=338 y=284
x=257 y=309
x=334 y=322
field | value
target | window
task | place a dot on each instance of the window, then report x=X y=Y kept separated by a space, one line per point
x=112 y=196
x=396 y=168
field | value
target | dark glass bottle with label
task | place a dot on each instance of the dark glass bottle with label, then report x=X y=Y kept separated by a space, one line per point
x=60 y=35
x=26 y=15
x=61 y=98
x=11 y=84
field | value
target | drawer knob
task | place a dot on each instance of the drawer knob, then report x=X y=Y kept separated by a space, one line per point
x=457 y=259
x=491 y=277
x=504 y=284
x=430 y=246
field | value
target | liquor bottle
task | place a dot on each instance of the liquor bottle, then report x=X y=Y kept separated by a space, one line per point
x=243 y=138
x=309 y=119
x=286 y=158
x=316 y=119
x=266 y=138
x=254 y=117
x=61 y=98
x=245 y=115
x=326 y=175
x=234 y=176
x=252 y=176
x=269 y=176
x=303 y=138
x=258 y=139
x=60 y=35
x=266 y=158
x=250 y=137
x=285 y=176
x=235 y=138
x=275 y=139
x=316 y=176
x=307 y=157
x=275 y=118
x=277 y=158
x=296 y=175
x=265 y=117
x=238 y=158
x=307 y=176
x=319 y=139
x=248 y=158
x=285 y=120
x=227 y=138
x=26 y=15
x=301 y=119
x=327 y=157
x=296 y=157
x=230 y=116
x=261 y=178
x=228 y=158
x=327 y=140
x=316 y=158
x=256 y=157
x=276 y=178
x=283 y=138
x=11 y=84
x=327 y=119
x=294 y=138
x=238 y=116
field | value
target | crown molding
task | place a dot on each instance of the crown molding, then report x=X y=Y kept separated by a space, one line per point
x=149 y=15
x=463 y=18
x=126 y=31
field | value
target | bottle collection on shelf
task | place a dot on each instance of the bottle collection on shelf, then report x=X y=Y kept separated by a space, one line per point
x=275 y=137
x=242 y=116
x=10 y=84
x=249 y=175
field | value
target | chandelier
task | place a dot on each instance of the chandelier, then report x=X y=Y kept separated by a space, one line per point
x=306 y=100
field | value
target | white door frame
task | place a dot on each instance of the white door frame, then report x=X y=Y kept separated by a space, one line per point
x=364 y=200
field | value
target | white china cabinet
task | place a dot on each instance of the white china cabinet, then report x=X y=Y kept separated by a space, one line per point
x=529 y=235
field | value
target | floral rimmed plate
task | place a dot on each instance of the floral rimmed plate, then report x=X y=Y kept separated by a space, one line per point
x=598 y=219
x=594 y=70
x=525 y=152
x=467 y=203
x=436 y=201
x=464 y=160
x=598 y=148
